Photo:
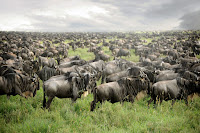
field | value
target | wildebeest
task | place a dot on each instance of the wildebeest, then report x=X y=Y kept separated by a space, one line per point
x=167 y=76
x=195 y=68
x=70 y=59
x=7 y=56
x=101 y=56
x=64 y=86
x=72 y=63
x=113 y=67
x=178 y=88
x=123 y=52
x=16 y=84
x=124 y=89
x=43 y=61
x=133 y=71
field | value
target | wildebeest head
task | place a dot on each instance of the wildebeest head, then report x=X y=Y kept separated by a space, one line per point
x=95 y=72
x=134 y=71
x=138 y=84
x=92 y=83
x=190 y=76
x=190 y=85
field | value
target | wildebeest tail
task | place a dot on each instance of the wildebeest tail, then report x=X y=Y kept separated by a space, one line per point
x=152 y=92
x=103 y=77
x=11 y=80
x=93 y=103
x=44 y=98
x=95 y=94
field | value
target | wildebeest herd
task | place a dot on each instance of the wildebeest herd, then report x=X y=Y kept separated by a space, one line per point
x=168 y=67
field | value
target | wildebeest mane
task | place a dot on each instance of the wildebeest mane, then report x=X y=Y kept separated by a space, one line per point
x=6 y=69
x=133 y=86
x=130 y=86
x=183 y=83
x=122 y=84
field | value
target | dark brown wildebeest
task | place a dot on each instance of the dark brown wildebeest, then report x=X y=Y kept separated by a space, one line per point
x=123 y=52
x=124 y=89
x=63 y=86
x=178 y=88
x=113 y=67
x=16 y=84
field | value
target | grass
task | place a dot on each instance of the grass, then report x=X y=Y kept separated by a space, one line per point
x=21 y=115
x=133 y=57
x=148 y=40
x=68 y=41
x=82 y=52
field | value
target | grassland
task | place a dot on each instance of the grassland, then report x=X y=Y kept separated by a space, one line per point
x=26 y=115
x=21 y=115
x=82 y=52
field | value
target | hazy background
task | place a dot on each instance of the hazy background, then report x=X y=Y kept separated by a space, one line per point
x=99 y=15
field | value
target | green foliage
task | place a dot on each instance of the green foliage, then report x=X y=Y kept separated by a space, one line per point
x=26 y=115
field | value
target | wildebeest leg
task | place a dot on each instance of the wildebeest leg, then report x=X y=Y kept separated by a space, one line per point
x=92 y=105
x=73 y=100
x=131 y=99
x=186 y=101
x=161 y=99
x=122 y=102
x=149 y=102
x=173 y=101
x=75 y=94
x=103 y=78
x=49 y=102
x=154 y=101
x=185 y=96
x=101 y=102
x=8 y=97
